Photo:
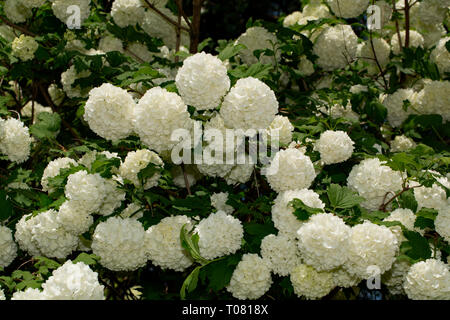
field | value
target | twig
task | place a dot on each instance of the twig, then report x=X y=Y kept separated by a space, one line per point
x=384 y=205
x=19 y=28
x=186 y=180
x=407 y=23
x=167 y=18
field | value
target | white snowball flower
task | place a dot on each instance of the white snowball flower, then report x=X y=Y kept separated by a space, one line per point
x=120 y=244
x=415 y=40
x=27 y=110
x=135 y=161
x=87 y=191
x=323 y=241
x=428 y=280
x=61 y=9
x=214 y=170
x=202 y=81
x=305 y=67
x=433 y=197
x=336 y=47
x=73 y=281
x=290 y=169
x=68 y=79
x=16 y=11
x=339 y=111
x=441 y=56
x=257 y=38
x=110 y=43
x=32 y=3
x=342 y=278
x=402 y=143
x=8 y=248
x=127 y=12
x=133 y=211
x=373 y=180
x=157 y=115
x=442 y=223
x=24 y=47
x=73 y=218
x=292 y=19
x=24 y=235
x=15 y=140
x=395 y=277
x=284 y=128
x=53 y=169
x=370 y=246
x=139 y=51
x=219 y=202
x=407 y=218
x=191 y=174
x=334 y=147
x=283 y=214
x=109 y=112
x=50 y=237
x=358 y=88
x=163 y=243
x=317 y=9
x=7 y=33
x=113 y=199
x=29 y=294
x=348 y=8
x=310 y=283
x=241 y=173
x=281 y=253
x=251 y=279
x=221 y=226
x=250 y=104
x=382 y=50
x=430 y=12
x=394 y=105
x=2 y=295
x=434 y=99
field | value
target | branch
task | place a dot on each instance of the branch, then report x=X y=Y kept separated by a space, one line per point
x=186 y=180
x=167 y=18
x=375 y=56
x=19 y=28
x=407 y=23
x=384 y=205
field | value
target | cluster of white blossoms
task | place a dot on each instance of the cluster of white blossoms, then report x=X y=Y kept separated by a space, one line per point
x=127 y=12
x=281 y=253
x=283 y=213
x=221 y=226
x=415 y=40
x=373 y=180
x=433 y=197
x=323 y=241
x=61 y=9
x=434 y=99
x=310 y=283
x=8 y=248
x=110 y=43
x=402 y=143
x=119 y=244
x=348 y=8
x=135 y=161
x=85 y=190
x=28 y=294
x=336 y=47
x=441 y=56
x=53 y=169
x=370 y=245
x=15 y=140
x=251 y=279
x=250 y=104
x=292 y=19
x=202 y=81
x=109 y=111
x=74 y=219
x=157 y=115
x=334 y=147
x=394 y=104
x=282 y=127
x=163 y=243
x=24 y=47
x=290 y=169
x=219 y=202
x=306 y=67
x=442 y=223
x=378 y=48
x=428 y=280
x=16 y=11
x=68 y=79
x=257 y=38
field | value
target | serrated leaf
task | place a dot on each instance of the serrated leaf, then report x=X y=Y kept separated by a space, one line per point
x=230 y=51
x=88 y=259
x=343 y=197
x=417 y=247
x=47 y=126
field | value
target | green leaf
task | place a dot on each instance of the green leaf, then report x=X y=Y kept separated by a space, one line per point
x=376 y=112
x=302 y=211
x=189 y=242
x=190 y=283
x=6 y=209
x=88 y=259
x=149 y=171
x=219 y=272
x=425 y=218
x=104 y=165
x=230 y=51
x=343 y=197
x=417 y=247
x=408 y=201
x=47 y=126
x=447 y=45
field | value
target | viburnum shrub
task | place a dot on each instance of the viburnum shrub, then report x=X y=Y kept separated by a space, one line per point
x=304 y=159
